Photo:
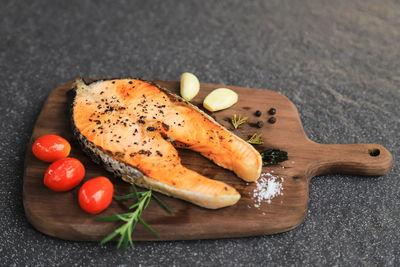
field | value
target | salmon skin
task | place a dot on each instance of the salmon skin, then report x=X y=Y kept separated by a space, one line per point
x=130 y=127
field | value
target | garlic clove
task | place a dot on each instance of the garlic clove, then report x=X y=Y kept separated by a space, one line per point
x=221 y=98
x=190 y=86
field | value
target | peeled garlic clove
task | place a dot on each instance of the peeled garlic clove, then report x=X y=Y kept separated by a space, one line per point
x=219 y=99
x=190 y=86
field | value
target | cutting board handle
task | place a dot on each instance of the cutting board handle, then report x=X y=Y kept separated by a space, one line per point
x=359 y=159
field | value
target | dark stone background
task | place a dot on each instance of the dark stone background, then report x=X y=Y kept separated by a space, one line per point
x=338 y=61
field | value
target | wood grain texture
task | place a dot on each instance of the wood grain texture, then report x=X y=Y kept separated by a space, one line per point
x=58 y=214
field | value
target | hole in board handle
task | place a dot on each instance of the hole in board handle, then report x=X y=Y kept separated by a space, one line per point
x=374 y=152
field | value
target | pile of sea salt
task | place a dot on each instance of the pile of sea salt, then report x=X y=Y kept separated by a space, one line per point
x=268 y=186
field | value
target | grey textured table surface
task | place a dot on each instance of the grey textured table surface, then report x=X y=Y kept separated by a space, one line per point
x=338 y=61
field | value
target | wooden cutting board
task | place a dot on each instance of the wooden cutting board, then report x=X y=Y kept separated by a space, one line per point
x=59 y=215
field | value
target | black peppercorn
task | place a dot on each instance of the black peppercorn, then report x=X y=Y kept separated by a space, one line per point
x=272 y=120
x=258 y=113
x=260 y=124
x=272 y=111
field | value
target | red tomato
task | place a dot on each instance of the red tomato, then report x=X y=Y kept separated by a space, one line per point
x=64 y=174
x=51 y=147
x=96 y=195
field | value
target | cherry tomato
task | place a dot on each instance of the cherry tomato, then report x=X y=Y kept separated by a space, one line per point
x=51 y=147
x=96 y=195
x=64 y=174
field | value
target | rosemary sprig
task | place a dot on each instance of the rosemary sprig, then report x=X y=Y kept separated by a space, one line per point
x=238 y=120
x=131 y=218
x=255 y=139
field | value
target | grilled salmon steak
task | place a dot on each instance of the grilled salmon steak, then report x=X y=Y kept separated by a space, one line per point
x=131 y=126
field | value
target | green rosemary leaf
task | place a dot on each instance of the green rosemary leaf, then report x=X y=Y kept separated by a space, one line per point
x=148 y=227
x=121 y=239
x=147 y=200
x=162 y=204
x=133 y=226
x=131 y=195
x=134 y=205
x=123 y=218
x=109 y=237
x=125 y=243
x=110 y=218
x=130 y=230
x=135 y=191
